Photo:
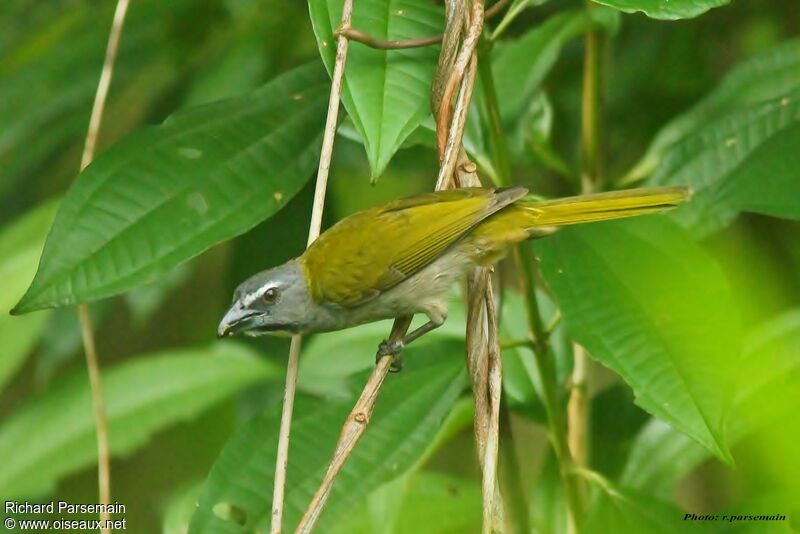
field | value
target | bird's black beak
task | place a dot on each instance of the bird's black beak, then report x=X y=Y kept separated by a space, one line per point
x=237 y=320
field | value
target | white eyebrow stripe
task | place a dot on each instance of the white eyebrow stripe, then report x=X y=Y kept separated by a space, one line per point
x=252 y=297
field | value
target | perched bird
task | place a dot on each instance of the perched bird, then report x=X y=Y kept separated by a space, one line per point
x=400 y=258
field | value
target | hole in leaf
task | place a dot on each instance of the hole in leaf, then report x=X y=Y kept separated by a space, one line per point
x=230 y=512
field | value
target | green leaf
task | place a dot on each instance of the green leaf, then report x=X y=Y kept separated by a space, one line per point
x=768 y=374
x=766 y=76
x=765 y=179
x=410 y=408
x=735 y=147
x=386 y=92
x=665 y=9
x=20 y=245
x=53 y=435
x=649 y=303
x=166 y=194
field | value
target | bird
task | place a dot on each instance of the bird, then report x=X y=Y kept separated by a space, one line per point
x=401 y=258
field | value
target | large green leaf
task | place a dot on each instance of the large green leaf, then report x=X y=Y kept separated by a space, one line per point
x=764 y=179
x=409 y=411
x=766 y=76
x=54 y=434
x=20 y=245
x=166 y=194
x=744 y=161
x=767 y=394
x=649 y=303
x=386 y=92
x=665 y=9
x=735 y=147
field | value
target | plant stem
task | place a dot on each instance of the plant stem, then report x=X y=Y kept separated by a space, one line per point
x=591 y=165
x=363 y=37
x=387 y=44
x=99 y=409
x=590 y=117
x=326 y=153
x=516 y=504
x=545 y=363
x=460 y=76
x=87 y=334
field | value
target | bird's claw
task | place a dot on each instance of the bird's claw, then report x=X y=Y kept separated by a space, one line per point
x=393 y=349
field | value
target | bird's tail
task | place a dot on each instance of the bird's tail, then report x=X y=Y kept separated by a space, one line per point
x=600 y=206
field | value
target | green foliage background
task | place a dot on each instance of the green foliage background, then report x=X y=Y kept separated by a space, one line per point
x=203 y=177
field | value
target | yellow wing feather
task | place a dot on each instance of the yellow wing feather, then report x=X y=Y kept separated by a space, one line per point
x=372 y=251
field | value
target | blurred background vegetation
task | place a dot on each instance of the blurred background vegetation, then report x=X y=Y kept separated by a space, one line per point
x=184 y=53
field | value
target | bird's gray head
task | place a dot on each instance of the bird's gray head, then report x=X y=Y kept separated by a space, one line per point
x=275 y=301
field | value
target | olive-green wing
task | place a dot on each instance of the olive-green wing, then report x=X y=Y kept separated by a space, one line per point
x=374 y=250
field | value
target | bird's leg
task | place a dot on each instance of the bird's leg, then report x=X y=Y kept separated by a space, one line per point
x=394 y=346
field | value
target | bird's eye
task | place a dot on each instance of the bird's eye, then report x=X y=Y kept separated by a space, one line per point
x=270 y=296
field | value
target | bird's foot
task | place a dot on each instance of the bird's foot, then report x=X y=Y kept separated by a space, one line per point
x=393 y=349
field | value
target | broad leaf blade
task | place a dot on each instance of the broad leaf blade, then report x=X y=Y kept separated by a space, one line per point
x=726 y=162
x=651 y=305
x=53 y=435
x=764 y=77
x=665 y=9
x=411 y=406
x=386 y=92
x=166 y=194
x=734 y=147
x=766 y=395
